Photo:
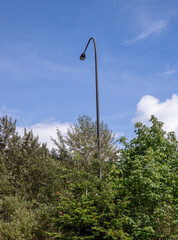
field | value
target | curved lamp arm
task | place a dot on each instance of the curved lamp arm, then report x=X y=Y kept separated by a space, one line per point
x=82 y=57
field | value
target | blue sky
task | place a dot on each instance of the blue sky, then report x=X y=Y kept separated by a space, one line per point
x=45 y=85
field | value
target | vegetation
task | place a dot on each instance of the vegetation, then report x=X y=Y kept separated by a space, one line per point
x=149 y=166
x=28 y=179
x=59 y=194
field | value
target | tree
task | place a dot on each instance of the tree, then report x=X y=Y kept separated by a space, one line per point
x=81 y=141
x=28 y=167
x=28 y=184
x=7 y=129
x=88 y=209
x=135 y=199
x=149 y=165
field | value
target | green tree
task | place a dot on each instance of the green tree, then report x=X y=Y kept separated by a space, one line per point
x=30 y=169
x=81 y=143
x=28 y=184
x=88 y=209
x=7 y=129
x=149 y=165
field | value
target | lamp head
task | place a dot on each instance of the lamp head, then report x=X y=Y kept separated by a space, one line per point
x=82 y=56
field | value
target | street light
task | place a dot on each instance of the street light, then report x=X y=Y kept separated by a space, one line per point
x=82 y=57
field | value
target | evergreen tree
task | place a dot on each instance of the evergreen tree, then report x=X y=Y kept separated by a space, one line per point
x=7 y=129
x=88 y=209
x=81 y=141
x=28 y=184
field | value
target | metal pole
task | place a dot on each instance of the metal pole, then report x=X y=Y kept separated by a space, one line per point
x=97 y=100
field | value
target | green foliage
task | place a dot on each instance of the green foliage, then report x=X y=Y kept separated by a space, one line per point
x=7 y=129
x=26 y=167
x=81 y=140
x=61 y=192
x=89 y=209
x=136 y=199
x=28 y=182
x=18 y=220
x=23 y=220
x=149 y=165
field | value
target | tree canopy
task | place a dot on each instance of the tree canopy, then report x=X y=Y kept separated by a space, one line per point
x=138 y=195
x=81 y=140
x=59 y=194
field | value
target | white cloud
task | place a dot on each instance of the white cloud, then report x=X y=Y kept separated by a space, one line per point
x=45 y=131
x=169 y=72
x=155 y=27
x=166 y=111
x=150 y=28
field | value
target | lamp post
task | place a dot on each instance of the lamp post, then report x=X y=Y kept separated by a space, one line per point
x=82 y=57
